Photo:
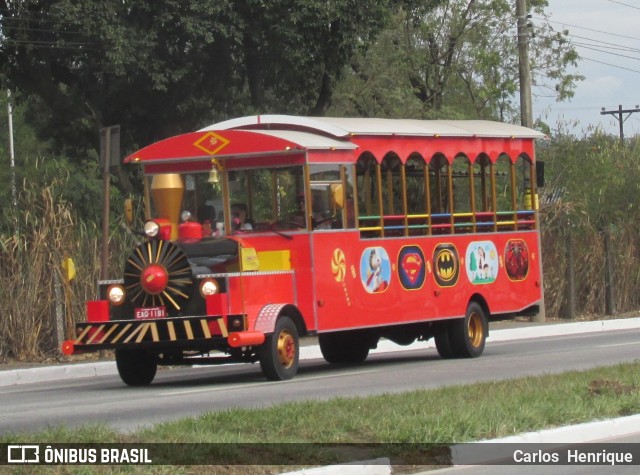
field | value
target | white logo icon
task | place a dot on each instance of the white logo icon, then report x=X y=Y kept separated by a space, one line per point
x=23 y=454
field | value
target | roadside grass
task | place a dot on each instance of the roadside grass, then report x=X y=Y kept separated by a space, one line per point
x=445 y=415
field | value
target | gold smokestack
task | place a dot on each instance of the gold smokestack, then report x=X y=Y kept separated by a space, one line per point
x=167 y=190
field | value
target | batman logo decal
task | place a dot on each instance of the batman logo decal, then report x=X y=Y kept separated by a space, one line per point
x=446 y=265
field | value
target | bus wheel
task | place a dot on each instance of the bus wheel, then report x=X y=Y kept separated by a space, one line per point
x=443 y=341
x=468 y=334
x=280 y=352
x=136 y=367
x=337 y=348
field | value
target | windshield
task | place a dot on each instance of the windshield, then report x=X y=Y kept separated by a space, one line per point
x=267 y=198
x=259 y=199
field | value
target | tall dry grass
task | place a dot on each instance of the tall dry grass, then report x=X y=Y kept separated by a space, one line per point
x=36 y=236
x=39 y=235
x=564 y=222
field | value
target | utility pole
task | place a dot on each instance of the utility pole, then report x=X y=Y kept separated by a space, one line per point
x=14 y=196
x=609 y=288
x=526 y=119
x=617 y=113
x=526 y=111
x=109 y=157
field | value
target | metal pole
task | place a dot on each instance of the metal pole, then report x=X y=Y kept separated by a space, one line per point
x=526 y=119
x=526 y=111
x=14 y=196
x=570 y=312
x=106 y=181
x=621 y=123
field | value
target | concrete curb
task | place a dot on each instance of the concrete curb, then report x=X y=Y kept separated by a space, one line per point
x=57 y=372
x=588 y=432
x=476 y=453
x=381 y=466
x=106 y=368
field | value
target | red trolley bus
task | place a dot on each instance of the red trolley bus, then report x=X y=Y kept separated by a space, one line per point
x=269 y=228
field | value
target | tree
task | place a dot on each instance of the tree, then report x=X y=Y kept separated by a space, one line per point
x=459 y=58
x=161 y=67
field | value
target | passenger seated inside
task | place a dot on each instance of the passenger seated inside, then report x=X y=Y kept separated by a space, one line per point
x=318 y=219
x=240 y=221
x=299 y=219
x=207 y=212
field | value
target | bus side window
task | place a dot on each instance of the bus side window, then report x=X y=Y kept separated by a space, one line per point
x=327 y=200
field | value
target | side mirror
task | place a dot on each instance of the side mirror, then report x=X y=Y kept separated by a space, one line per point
x=337 y=196
x=539 y=174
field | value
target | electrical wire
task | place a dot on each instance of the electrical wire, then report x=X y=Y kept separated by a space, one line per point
x=624 y=4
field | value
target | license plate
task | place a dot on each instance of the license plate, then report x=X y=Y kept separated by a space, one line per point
x=150 y=312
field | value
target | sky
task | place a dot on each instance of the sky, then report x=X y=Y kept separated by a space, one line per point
x=607 y=37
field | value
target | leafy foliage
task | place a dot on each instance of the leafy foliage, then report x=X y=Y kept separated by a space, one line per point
x=164 y=66
x=458 y=59
x=599 y=174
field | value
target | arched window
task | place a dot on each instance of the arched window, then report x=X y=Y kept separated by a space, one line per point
x=369 y=184
x=506 y=204
x=483 y=186
x=393 y=195
x=463 y=197
x=418 y=199
x=525 y=193
x=441 y=194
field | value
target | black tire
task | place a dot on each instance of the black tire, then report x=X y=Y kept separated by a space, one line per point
x=280 y=353
x=136 y=367
x=443 y=341
x=469 y=334
x=341 y=348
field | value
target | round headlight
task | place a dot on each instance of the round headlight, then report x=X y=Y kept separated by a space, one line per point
x=151 y=228
x=115 y=294
x=209 y=287
x=186 y=216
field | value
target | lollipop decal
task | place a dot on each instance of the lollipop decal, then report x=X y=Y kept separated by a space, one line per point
x=339 y=270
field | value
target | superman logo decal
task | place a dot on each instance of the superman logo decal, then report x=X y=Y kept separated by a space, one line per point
x=446 y=265
x=411 y=267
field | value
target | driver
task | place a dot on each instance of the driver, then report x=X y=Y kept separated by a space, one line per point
x=300 y=216
x=239 y=221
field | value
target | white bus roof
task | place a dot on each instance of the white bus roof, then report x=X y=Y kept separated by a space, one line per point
x=344 y=127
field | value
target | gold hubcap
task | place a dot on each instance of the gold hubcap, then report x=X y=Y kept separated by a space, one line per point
x=475 y=329
x=286 y=348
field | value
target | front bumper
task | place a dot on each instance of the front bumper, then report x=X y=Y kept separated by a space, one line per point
x=182 y=333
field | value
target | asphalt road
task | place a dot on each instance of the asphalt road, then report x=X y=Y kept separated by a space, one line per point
x=183 y=392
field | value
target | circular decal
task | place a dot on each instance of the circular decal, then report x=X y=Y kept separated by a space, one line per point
x=338 y=265
x=446 y=265
x=339 y=271
x=411 y=267
x=516 y=259
x=375 y=269
x=481 y=262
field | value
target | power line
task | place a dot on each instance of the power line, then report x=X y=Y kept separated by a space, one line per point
x=43 y=30
x=593 y=40
x=588 y=29
x=625 y=4
x=609 y=64
x=589 y=47
x=600 y=47
x=52 y=45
